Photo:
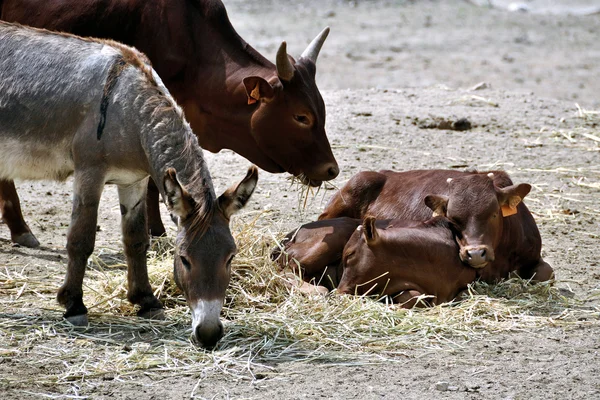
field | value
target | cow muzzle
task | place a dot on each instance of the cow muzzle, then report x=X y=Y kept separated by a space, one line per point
x=207 y=328
x=476 y=256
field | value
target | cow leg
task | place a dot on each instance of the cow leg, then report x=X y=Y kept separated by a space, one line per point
x=541 y=272
x=80 y=244
x=10 y=209
x=136 y=241
x=409 y=299
x=153 y=203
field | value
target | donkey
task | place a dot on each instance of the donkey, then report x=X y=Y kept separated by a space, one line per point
x=96 y=110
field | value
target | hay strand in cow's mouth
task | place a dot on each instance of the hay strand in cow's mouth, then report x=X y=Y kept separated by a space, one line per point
x=266 y=320
x=308 y=193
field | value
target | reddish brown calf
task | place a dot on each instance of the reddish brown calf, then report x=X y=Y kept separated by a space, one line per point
x=397 y=259
x=495 y=231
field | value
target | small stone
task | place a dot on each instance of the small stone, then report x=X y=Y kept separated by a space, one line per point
x=442 y=386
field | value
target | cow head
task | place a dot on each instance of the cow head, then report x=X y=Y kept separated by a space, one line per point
x=476 y=207
x=365 y=260
x=289 y=121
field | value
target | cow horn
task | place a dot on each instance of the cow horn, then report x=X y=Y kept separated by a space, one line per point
x=312 y=51
x=449 y=180
x=491 y=175
x=285 y=69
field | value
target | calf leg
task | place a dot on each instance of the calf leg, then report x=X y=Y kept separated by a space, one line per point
x=153 y=203
x=136 y=241
x=10 y=209
x=541 y=272
x=410 y=299
x=80 y=244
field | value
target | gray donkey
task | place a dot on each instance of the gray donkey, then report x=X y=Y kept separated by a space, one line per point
x=95 y=109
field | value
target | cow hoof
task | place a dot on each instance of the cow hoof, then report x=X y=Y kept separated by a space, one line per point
x=26 y=239
x=78 y=320
x=152 y=313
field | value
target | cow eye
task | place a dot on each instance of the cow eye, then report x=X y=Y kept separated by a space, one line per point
x=303 y=119
x=230 y=260
x=185 y=262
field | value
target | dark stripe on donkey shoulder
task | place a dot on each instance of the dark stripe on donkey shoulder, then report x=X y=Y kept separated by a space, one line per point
x=115 y=70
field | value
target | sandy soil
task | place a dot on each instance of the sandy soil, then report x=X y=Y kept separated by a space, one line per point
x=390 y=71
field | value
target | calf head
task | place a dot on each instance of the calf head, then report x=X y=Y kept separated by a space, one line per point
x=476 y=207
x=204 y=249
x=289 y=122
x=367 y=260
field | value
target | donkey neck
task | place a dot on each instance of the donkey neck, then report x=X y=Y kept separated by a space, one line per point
x=169 y=142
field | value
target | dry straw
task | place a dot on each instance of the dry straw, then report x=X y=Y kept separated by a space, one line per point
x=267 y=321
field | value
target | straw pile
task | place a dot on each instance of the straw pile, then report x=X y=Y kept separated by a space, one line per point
x=267 y=322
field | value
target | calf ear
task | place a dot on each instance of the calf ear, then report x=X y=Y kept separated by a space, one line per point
x=510 y=196
x=369 y=230
x=258 y=89
x=178 y=200
x=438 y=204
x=236 y=197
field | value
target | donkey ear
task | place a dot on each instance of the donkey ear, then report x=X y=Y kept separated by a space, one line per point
x=178 y=200
x=438 y=204
x=236 y=197
x=370 y=232
x=510 y=197
x=258 y=89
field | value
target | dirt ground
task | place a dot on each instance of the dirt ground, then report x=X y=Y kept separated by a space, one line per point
x=389 y=73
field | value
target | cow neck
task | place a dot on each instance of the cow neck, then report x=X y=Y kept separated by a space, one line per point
x=221 y=115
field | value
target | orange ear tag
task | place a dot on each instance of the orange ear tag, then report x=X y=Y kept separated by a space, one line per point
x=507 y=211
x=254 y=95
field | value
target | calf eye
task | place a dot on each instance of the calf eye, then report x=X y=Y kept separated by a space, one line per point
x=185 y=262
x=230 y=260
x=303 y=119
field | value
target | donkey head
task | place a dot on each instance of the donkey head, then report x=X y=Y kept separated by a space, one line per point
x=204 y=250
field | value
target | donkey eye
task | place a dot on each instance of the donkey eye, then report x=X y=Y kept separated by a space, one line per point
x=303 y=119
x=185 y=262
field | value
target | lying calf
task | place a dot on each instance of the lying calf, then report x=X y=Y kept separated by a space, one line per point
x=398 y=259
x=495 y=231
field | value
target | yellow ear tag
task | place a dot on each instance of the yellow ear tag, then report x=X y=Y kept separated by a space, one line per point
x=507 y=211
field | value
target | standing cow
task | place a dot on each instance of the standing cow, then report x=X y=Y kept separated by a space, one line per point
x=233 y=97
x=495 y=231
x=95 y=110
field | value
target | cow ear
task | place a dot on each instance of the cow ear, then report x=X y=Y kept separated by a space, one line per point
x=236 y=197
x=438 y=204
x=178 y=200
x=369 y=230
x=258 y=89
x=510 y=197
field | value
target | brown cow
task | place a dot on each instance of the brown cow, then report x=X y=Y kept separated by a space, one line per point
x=396 y=259
x=233 y=97
x=496 y=233
x=314 y=250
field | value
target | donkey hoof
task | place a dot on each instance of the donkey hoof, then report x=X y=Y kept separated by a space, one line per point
x=26 y=239
x=78 y=320
x=152 y=313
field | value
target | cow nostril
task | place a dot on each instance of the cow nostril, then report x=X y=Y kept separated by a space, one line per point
x=483 y=253
x=333 y=171
x=468 y=254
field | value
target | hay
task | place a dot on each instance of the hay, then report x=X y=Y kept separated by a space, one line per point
x=266 y=321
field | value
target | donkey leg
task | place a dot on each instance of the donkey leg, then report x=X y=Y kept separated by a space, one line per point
x=136 y=241
x=87 y=189
x=10 y=209
x=153 y=203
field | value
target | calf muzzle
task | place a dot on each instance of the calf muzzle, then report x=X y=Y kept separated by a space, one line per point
x=476 y=256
